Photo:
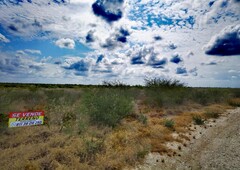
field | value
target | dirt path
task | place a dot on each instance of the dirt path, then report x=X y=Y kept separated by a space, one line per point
x=218 y=148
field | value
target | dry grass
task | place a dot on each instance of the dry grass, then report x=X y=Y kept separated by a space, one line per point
x=234 y=102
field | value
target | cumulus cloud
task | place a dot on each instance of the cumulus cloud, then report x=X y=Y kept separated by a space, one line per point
x=137 y=60
x=176 y=59
x=79 y=66
x=117 y=39
x=3 y=39
x=181 y=70
x=122 y=35
x=100 y=58
x=226 y=43
x=211 y=63
x=65 y=43
x=172 y=46
x=157 y=38
x=89 y=66
x=194 y=71
x=109 y=10
x=90 y=37
x=157 y=63
x=140 y=55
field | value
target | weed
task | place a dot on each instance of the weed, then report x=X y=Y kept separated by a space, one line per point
x=198 y=120
x=169 y=123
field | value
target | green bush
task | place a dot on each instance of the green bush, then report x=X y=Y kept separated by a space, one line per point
x=198 y=120
x=169 y=123
x=163 y=83
x=107 y=106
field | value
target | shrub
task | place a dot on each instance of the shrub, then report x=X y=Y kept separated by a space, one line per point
x=198 y=120
x=115 y=83
x=163 y=83
x=169 y=123
x=107 y=106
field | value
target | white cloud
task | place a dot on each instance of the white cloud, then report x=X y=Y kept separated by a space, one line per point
x=3 y=38
x=31 y=51
x=65 y=43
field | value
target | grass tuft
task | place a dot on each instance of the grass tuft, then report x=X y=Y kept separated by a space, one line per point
x=198 y=120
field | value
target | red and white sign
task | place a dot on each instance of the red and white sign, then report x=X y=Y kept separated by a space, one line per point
x=17 y=119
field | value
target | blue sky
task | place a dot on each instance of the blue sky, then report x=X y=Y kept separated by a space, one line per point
x=91 y=41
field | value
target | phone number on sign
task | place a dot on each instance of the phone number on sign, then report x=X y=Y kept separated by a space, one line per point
x=26 y=123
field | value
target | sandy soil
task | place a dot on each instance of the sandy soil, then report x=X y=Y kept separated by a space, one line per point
x=214 y=146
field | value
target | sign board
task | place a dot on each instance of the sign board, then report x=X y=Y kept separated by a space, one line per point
x=18 y=119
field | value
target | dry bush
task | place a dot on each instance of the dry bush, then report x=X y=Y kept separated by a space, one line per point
x=234 y=102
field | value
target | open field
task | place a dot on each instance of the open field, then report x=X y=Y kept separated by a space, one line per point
x=105 y=127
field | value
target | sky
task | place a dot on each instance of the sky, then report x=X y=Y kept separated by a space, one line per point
x=91 y=41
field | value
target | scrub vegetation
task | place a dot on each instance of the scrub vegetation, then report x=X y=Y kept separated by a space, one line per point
x=110 y=126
